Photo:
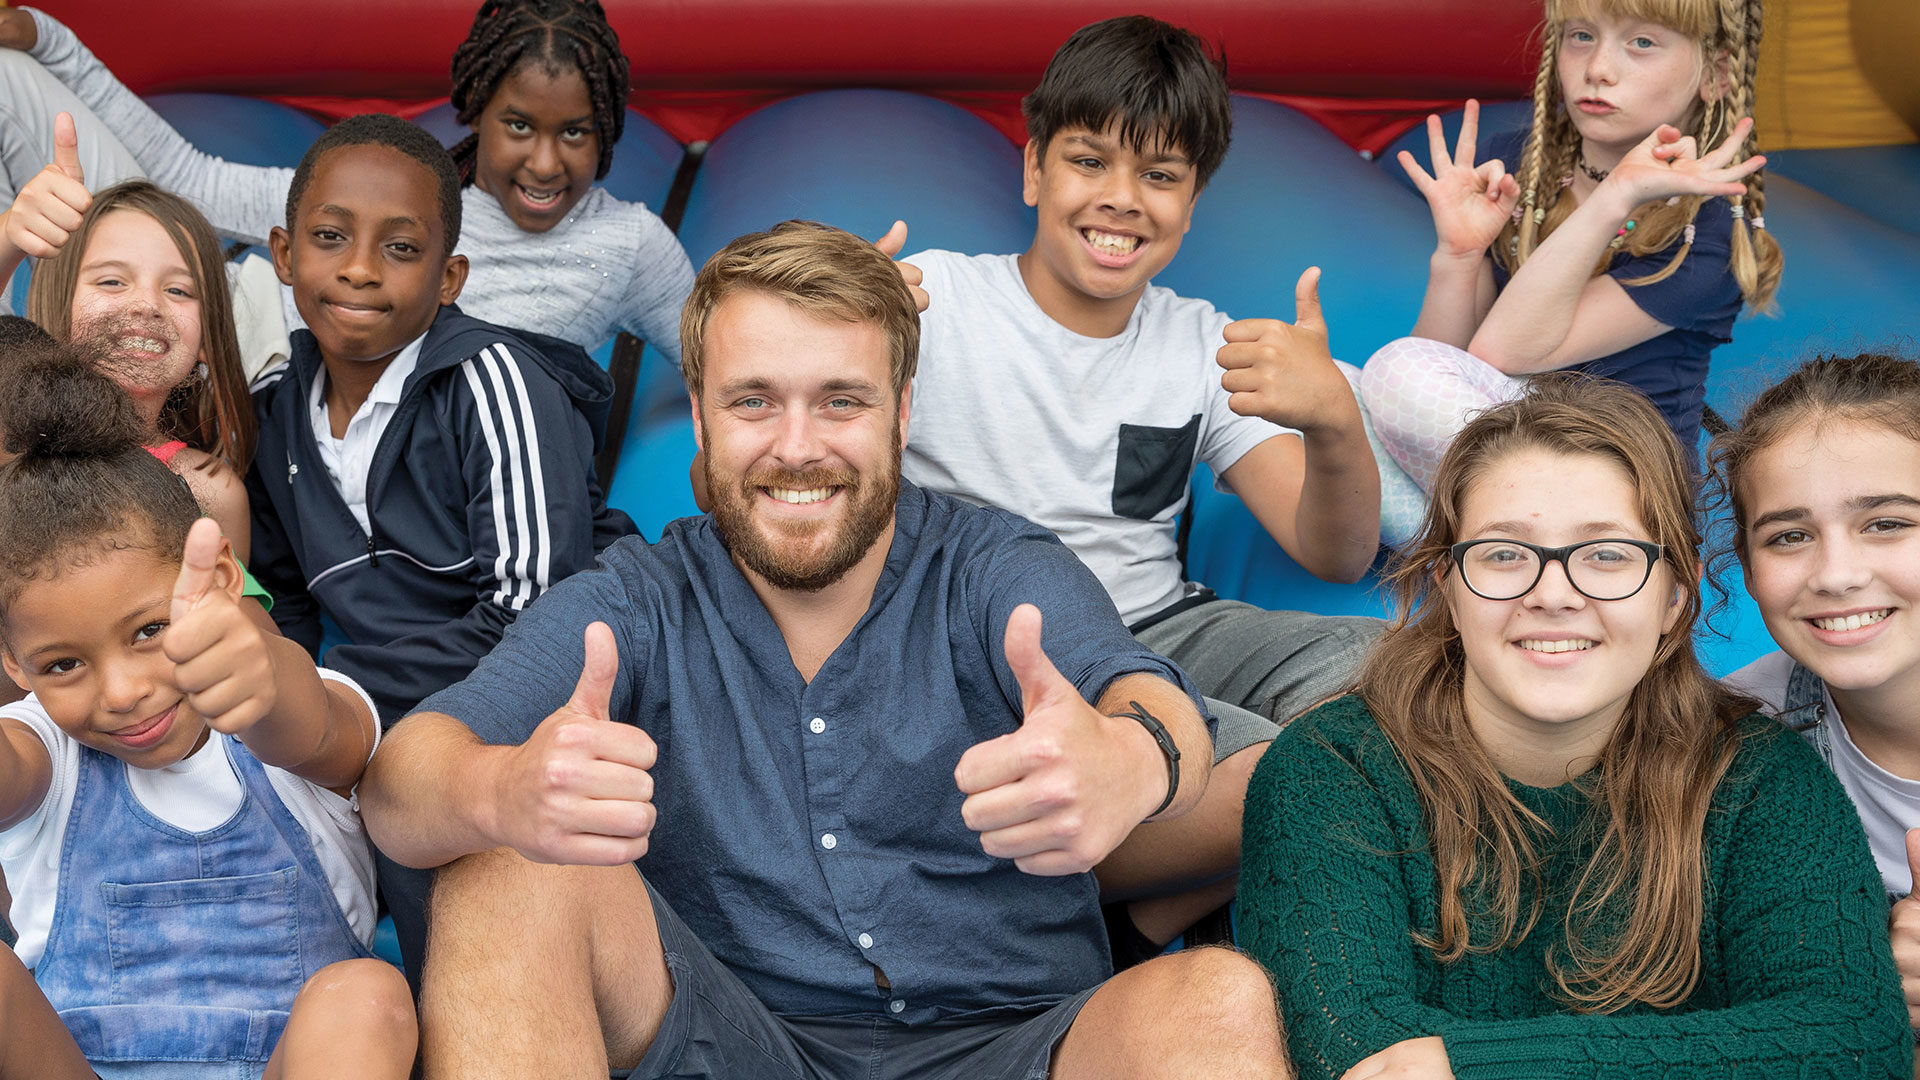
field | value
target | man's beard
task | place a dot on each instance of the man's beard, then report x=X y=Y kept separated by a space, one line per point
x=797 y=565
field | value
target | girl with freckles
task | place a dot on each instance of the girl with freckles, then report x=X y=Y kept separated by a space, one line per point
x=1538 y=840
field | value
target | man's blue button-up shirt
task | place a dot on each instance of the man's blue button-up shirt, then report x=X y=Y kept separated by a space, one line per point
x=810 y=833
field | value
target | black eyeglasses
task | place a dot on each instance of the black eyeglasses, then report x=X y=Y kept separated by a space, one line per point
x=1611 y=569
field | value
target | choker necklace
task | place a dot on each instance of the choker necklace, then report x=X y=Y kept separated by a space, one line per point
x=1593 y=174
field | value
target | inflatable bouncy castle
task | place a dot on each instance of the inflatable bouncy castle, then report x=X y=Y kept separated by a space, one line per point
x=860 y=112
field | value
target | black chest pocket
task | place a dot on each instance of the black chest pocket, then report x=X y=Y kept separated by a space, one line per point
x=1152 y=467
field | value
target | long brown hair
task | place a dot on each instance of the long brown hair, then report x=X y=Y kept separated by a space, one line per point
x=213 y=414
x=1722 y=28
x=1656 y=776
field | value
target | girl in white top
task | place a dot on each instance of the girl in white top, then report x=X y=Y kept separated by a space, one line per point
x=1823 y=478
x=190 y=882
x=543 y=84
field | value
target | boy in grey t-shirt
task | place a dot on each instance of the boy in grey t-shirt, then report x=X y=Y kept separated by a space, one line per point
x=1060 y=385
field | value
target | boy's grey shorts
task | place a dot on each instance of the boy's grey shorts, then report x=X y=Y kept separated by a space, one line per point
x=1258 y=668
x=716 y=1027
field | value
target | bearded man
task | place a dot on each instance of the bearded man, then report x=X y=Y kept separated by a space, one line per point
x=861 y=784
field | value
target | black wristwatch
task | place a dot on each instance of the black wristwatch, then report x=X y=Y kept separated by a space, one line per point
x=1158 y=730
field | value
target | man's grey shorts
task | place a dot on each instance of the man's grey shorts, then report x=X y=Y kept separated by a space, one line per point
x=716 y=1027
x=1259 y=668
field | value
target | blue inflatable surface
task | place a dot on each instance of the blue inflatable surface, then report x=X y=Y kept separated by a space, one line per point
x=858 y=159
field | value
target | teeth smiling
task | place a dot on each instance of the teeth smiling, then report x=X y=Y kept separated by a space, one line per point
x=539 y=198
x=1568 y=645
x=144 y=344
x=1852 y=622
x=1108 y=243
x=800 y=498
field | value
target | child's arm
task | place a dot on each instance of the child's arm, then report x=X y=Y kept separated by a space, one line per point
x=222 y=496
x=26 y=769
x=1555 y=313
x=1319 y=495
x=259 y=687
x=48 y=209
x=1471 y=204
x=242 y=201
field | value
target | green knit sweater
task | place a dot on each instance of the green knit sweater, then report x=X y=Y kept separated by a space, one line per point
x=1796 y=980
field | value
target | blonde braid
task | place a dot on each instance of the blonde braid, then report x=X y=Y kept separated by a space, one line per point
x=1517 y=239
x=1755 y=257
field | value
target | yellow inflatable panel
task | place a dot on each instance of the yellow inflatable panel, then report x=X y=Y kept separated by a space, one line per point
x=1886 y=35
x=1815 y=91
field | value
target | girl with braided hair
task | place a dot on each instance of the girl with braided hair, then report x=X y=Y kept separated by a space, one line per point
x=543 y=85
x=1620 y=235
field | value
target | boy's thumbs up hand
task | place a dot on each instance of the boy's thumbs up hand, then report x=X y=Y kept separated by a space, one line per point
x=1283 y=371
x=891 y=245
x=1904 y=929
x=578 y=790
x=220 y=656
x=47 y=211
x=1061 y=792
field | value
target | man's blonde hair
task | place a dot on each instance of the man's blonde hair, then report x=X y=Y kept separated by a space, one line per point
x=826 y=272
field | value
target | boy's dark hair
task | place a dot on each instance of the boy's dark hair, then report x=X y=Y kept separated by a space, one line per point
x=16 y=333
x=1157 y=80
x=83 y=483
x=559 y=34
x=380 y=129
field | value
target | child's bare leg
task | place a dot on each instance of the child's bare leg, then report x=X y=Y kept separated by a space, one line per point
x=33 y=1041
x=353 y=1018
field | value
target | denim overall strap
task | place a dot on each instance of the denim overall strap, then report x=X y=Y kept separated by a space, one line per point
x=1805 y=710
x=176 y=953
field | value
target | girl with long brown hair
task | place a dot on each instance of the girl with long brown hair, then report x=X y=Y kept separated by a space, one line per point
x=1539 y=840
x=1620 y=235
x=134 y=276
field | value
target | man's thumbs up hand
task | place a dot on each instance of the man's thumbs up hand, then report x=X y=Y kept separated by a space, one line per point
x=578 y=791
x=47 y=211
x=1061 y=792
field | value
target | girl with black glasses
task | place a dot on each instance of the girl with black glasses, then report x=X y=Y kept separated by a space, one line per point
x=1539 y=840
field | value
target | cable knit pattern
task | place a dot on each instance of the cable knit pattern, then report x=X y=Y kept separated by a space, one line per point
x=608 y=266
x=1797 y=979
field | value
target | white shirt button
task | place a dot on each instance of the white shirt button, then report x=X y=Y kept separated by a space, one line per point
x=817 y=725
x=829 y=841
x=896 y=1005
x=866 y=941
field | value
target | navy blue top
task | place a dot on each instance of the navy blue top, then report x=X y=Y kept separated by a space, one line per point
x=1700 y=301
x=811 y=832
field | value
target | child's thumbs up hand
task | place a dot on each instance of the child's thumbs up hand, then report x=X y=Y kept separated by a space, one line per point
x=891 y=245
x=1904 y=928
x=47 y=211
x=578 y=791
x=1061 y=792
x=1283 y=371
x=220 y=656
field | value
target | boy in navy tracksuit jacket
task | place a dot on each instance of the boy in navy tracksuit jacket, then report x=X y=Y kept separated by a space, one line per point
x=421 y=475
x=480 y=495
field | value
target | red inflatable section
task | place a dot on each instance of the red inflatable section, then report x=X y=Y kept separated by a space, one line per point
x=1366 y=68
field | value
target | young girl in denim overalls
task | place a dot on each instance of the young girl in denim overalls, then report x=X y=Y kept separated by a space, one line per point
x=190 y=885
x=1823 y=479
